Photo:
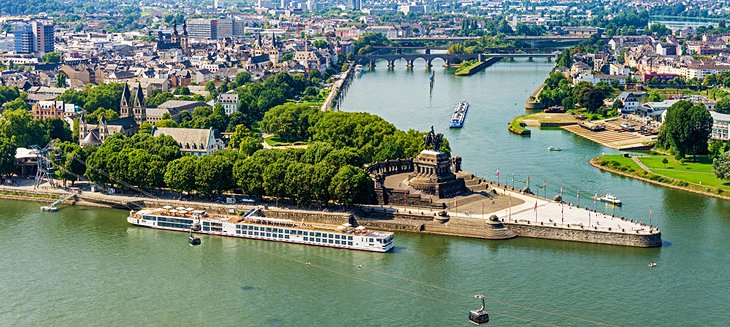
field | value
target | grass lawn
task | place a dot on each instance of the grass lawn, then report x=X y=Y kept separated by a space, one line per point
x=621 y=160
x=695 y=172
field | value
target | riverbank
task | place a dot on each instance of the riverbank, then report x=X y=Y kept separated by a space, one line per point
x=635 y=172
x=495 y=224
x=341 y=83
x=476 y=67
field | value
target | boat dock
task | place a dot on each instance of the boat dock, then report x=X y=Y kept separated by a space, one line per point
x=612 y=135
x=54 y=206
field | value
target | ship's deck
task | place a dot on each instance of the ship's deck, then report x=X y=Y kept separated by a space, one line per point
x=265 y=221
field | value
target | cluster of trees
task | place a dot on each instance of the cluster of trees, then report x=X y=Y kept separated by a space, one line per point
x=257 y=98
x=126 y=162
x=482 y=44
x=17 y=126
x=686 y=129
x=97 y=100
x=366 y=43
x=558 y=91
x=8 y=94
x=18 y=129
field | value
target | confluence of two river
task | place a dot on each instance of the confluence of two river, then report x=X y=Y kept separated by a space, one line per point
x=84 y=266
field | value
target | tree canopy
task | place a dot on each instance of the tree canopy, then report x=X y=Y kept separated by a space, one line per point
x=686 y=129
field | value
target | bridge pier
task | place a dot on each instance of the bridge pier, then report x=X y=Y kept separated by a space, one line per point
x=428 y=64
x=447 y=63
x=391 y=64
x=409 y=64
x=372 y=64
x=549 y=59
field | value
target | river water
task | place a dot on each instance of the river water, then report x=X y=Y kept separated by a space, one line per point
x=87 y=266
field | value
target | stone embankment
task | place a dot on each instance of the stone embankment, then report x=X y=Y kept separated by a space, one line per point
x=410 y=219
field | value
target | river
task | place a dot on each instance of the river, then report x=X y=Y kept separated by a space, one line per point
x=87 y=266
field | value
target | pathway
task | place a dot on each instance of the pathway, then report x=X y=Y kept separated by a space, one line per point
x=641 y=164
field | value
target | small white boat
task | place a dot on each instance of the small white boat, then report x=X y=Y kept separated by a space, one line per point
x=611 y=199
x=652 y=264
x=554 y=148
x=49 y=208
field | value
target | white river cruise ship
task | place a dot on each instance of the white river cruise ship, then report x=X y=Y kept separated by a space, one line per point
x=253 y=226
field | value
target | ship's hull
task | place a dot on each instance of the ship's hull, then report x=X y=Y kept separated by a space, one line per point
x=283 y=234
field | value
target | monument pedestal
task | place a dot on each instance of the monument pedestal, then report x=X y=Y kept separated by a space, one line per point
x=432 y=175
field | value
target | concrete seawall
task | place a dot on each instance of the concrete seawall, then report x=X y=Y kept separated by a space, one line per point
x=382 y=218
x=584 y=235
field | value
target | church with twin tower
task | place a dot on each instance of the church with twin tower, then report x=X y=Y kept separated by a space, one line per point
x=132 y=112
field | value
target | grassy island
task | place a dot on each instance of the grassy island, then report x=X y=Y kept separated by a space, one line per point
x=692 y=176
x=516 y=126
x=468 y=68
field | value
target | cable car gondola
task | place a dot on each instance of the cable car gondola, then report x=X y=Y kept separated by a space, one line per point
x=192 y=240
x=479 y=316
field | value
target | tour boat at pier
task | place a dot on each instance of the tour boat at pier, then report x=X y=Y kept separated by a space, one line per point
x=254 y=226
x=611 y=199
x=358 y=70
x=457 y=118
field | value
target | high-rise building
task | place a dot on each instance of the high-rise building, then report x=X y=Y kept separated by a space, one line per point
x=202 y=29
x=36 y=37
x=356 y=4
x=44 y=36
x=226 y=28
x=24 y=39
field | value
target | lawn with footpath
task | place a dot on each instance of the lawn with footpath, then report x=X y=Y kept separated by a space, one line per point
x=693 y=176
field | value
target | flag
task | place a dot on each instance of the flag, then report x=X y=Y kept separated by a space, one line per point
x=535 y=205
x=595 y=197
x=497 y=173
x=577 y=196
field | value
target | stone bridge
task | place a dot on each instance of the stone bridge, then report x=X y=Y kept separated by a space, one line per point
x=391 y=54
x=448 y=59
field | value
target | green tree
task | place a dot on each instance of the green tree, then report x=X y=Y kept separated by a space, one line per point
x=60 y=79
x=241 y=78
x=723 y=105
x=51 y=57
x=686 y=129
x=351 y=185
x=71 y=164
x=320 y=44
x=17 y=104
x=18 y=126
x=721 y=166
x=57 y=129
x=248 y=175
x=106 y=95
x=213 y=175
x=7 y=156
x=291 y=122
x=180 y=174
x=274 y=179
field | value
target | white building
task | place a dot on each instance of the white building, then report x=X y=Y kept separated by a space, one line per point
x=655 y=110
x=195 y=141
x=229 y=102
x=631 y=101
x=720 y=123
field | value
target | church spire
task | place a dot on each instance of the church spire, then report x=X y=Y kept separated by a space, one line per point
x=139 y=97
x=124 y=105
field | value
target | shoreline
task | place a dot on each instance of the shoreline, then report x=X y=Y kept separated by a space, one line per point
x=396 y=219
x=593 y=163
